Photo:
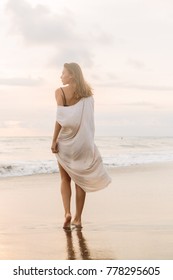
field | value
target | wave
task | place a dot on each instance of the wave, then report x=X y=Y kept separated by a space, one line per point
x=23 y=168
x=137 y=158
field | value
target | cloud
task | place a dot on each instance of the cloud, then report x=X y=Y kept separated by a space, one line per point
x=38 y=26
x=84 y=57
x=10 y=123
x=18 y=128
x=99 y=77
x=135 y=86
x=102 y=37
x=142 y=104
x=21 y=81
x=137 y=64
x=150 y=87
x=112 y=76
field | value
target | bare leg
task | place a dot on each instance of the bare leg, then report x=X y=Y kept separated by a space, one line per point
x=80 y=200
x=66 y=195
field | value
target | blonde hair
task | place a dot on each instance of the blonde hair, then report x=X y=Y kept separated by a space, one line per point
x=83 y=89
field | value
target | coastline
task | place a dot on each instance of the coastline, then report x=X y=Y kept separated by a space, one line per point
x=130 y=219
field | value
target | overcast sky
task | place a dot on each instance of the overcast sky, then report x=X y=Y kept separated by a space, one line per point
x=124 y=47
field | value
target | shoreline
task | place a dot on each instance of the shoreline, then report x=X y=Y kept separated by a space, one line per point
x=130 y=219
x=143 y=166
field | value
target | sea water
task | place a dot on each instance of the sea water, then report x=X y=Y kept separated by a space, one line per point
x=21 y=156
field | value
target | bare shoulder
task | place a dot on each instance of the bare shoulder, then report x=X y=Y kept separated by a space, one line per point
x=58 y=96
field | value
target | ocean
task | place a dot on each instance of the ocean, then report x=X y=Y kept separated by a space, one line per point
x=20 y=156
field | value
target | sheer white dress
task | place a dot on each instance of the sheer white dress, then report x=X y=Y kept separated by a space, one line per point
x=77 y=152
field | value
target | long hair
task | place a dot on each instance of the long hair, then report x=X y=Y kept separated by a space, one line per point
x=83 y=89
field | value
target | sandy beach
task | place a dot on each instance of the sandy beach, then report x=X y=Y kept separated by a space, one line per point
x=131 y=219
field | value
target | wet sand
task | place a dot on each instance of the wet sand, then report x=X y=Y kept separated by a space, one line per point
x=131 y=219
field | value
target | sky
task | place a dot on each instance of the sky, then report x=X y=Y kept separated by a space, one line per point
x=124 y=48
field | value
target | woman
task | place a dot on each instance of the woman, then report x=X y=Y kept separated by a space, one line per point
x=73 y=142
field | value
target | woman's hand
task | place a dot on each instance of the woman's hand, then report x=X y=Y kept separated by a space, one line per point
x=54 y=147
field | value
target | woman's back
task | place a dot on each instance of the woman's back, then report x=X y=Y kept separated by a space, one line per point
x=68 y=96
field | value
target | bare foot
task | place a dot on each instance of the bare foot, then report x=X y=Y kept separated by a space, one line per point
x=77 y=223
x=78 y=227
x=67 y=221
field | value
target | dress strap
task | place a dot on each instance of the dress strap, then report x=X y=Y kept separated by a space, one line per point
x=65 y=103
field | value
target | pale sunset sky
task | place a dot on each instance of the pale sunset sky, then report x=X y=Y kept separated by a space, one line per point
x=124 y=47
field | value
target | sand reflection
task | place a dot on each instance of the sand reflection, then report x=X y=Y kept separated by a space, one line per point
x=72 y=250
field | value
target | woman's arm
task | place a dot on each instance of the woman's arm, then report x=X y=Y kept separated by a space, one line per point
x=57 y=128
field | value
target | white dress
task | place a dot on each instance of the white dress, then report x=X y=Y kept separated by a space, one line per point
x=77 y=152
